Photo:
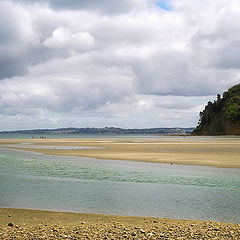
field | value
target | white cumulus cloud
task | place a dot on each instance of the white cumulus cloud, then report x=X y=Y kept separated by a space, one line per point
x=64 y=38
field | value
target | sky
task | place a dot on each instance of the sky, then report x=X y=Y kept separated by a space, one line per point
x=128 y=63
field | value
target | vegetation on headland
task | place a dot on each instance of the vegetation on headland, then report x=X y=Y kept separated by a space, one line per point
x=221 y=117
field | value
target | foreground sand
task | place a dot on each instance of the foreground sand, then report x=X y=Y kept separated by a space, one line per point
x=34 y=224
x=191 y=151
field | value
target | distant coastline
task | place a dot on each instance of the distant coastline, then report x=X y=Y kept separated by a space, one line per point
x=105 y=131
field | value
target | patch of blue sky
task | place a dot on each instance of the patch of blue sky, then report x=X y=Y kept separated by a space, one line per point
x=163 y=4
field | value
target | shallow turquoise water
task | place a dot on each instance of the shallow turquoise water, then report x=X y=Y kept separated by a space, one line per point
x=69 y=136
x=94 y=136
x=30 y=145
x=32 y=180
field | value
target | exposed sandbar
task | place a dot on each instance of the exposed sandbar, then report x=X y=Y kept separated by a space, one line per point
x=219 y=152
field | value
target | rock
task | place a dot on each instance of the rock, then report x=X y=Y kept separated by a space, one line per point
x=150 y=234
x=9 y=215
x=102 y=230
x=133 y=234
x=10 y=224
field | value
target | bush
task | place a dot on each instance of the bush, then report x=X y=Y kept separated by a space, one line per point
x=233 y=111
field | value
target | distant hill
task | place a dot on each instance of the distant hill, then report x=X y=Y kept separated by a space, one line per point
x=105 y=131
x=222 y=117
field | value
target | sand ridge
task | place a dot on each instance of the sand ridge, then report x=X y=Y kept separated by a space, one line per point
x=219 y=152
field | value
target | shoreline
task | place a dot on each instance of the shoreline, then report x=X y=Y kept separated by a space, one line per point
x=39 y=224
x=223 y=153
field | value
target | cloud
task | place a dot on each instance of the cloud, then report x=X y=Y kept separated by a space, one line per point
x=63 y=85
x=15 y=36
x=63 y=38
x=104 y=6
x=20 y=41
x=118 y=62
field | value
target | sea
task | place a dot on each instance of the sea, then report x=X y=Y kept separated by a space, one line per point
x=77 y=184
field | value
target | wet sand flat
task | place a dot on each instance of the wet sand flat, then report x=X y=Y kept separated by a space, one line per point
x=35 y=224
x=219 y=152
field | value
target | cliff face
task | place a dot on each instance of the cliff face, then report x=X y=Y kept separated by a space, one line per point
x=222 y=117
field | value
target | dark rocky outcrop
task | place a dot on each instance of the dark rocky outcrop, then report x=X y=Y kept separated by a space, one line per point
x=222 y=117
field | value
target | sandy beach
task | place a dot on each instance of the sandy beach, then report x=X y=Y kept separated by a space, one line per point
x=34 y=224
x=218 y=152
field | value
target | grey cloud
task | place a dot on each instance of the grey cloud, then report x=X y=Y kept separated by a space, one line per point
x=215 y=43
x=28 y=55
x=105 y=6
x=175 y=105
x=12 y=48
x=20 y=43
x=172 y=73
x=11 y=67
x=227 y=57
x=66 y=84
x=16 y=36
